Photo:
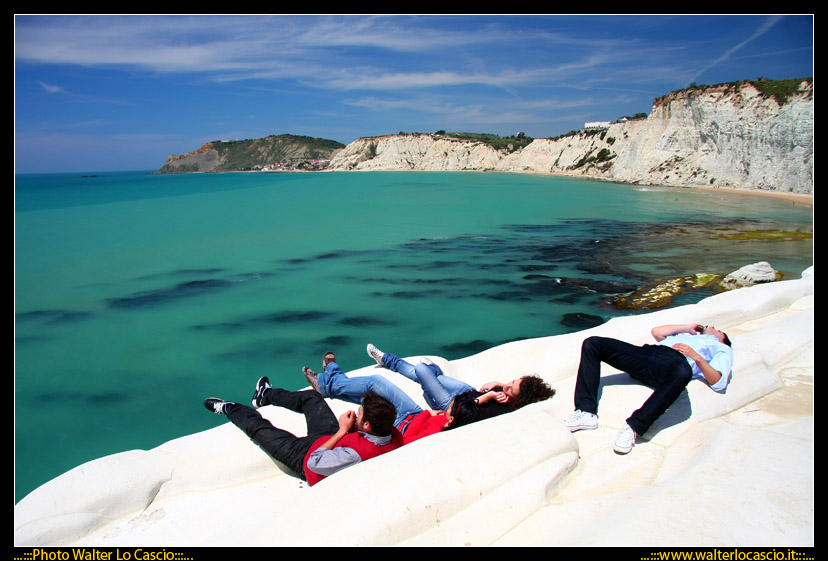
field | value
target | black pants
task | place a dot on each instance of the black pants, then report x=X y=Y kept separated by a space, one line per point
x=660 y=367
x=281 y=444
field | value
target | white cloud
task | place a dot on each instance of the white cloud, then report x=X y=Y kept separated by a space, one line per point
x=52 y=89
x=332 y=52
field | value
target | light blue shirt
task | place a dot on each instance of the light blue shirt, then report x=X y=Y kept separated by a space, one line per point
x=716 y=353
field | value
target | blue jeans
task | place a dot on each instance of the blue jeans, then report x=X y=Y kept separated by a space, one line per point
x=438 y=389
x=660 y=367
x=334 y=383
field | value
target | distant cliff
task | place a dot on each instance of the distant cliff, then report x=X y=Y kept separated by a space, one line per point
x=422 y=152
x=284 y=151
x=745 y=135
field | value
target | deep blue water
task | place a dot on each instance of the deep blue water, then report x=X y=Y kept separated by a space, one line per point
x=138 y=295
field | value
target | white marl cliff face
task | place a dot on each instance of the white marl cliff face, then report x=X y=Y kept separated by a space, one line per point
x=416 y=152
x=719 y=136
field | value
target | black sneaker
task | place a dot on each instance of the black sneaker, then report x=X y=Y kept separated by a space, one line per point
x=259 y=397
x=216 y=405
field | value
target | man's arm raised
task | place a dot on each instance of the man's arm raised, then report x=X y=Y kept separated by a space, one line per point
x=346 y=425
x=663 y=331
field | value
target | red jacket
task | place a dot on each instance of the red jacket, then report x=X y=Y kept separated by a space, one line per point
x=355 y=440
x=422 y=424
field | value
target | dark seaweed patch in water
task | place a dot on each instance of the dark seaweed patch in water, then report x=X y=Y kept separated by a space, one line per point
x=252 y=355
x=506 y=296
x=207 y=271
x=335 y=341
x=548 y=288
x=332 y=255
x=415 y=294
x=537 y=267
x=53 y=317
x=412 y=281
x=601 y=286
x=225 y=325
x=256 y=352
x=425 y=266
x=289 y=317
x=265 y=320
x=568 y=297
x=251 y=276
x=457 y=350
x=107 y=398
x=579 y=320
x=602 y=258
x=165 y=295
x=184 y=272
x=30 y=339
x=363 y=321
x=70 y=317
x=81 y=399
x=625 y=255
x=338 y=254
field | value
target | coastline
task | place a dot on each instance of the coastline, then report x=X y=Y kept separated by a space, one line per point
x=800 y=199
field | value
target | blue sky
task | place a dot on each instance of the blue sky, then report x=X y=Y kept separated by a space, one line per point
x=101 y=93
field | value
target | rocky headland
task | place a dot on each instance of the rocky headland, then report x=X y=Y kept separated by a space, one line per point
x=276 y=152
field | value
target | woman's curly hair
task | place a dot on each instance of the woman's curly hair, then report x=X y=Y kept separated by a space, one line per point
x=532 y=389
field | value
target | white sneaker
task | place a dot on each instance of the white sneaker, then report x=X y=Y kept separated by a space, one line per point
x=581 y=420
x=625 y=440
x=375 y=353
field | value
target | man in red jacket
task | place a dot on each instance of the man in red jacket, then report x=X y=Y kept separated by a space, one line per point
x=331 y=444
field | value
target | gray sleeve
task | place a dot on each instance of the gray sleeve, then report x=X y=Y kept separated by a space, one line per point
x=327 y=462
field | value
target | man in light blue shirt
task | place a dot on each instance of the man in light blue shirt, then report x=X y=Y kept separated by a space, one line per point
x=681 y=353
x=705 y=348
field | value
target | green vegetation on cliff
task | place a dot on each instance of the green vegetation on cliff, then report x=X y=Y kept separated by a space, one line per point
x=503 y=143
x=246 y=154
x=780 y=90
x=241 y=155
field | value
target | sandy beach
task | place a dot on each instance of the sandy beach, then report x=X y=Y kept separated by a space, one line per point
x=801 y=199
x=743 y=458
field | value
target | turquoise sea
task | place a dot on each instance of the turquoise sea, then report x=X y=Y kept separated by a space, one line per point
x=138 y=295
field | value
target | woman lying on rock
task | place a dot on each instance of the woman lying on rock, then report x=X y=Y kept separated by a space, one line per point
x=454 y=403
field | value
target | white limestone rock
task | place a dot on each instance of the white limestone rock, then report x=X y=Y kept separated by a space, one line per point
x=749 y=275
x=415 y=152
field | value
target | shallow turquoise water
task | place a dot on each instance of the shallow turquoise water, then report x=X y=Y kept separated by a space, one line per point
x=138 y=295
